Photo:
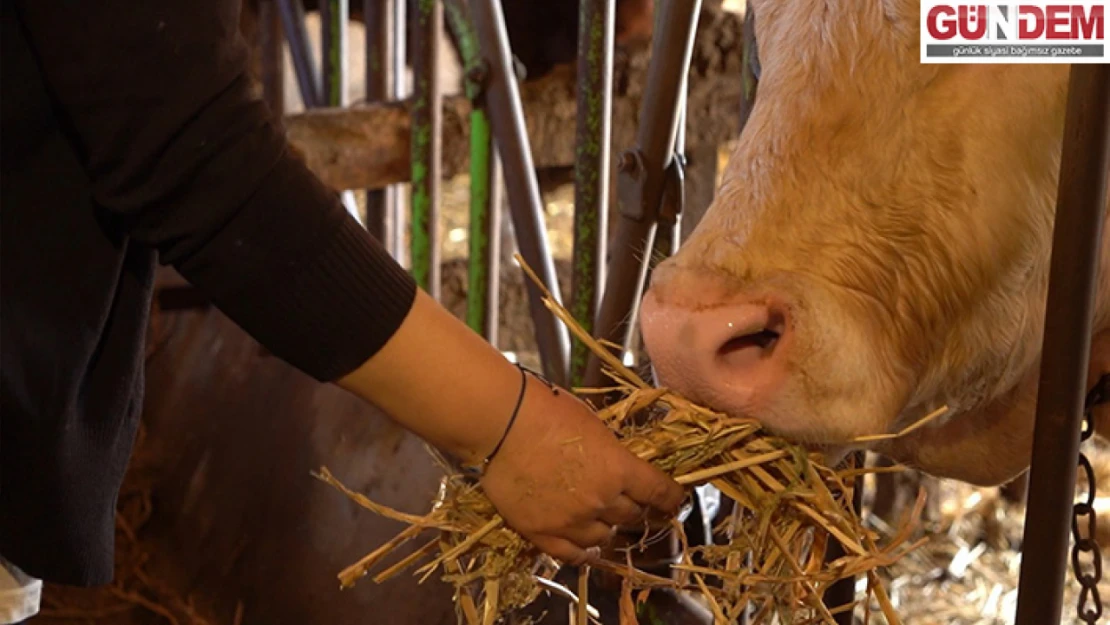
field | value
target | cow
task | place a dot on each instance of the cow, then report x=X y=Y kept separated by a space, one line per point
x=879 y=247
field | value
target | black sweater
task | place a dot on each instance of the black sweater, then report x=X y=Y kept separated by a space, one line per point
x=130 y=136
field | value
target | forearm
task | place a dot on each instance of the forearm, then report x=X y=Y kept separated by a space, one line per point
x=442 y=381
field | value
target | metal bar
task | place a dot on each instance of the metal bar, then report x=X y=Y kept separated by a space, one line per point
x=502 y=98
x=630 y=342
x=334 y=17
x=378 y=16
x=334 y=20
x=484 y=239
x=672 y=47
x=496 y=203
x=273 y=59
x=427 y=137
x=647 y=176
x=665 y=240
x=304 y=65
x=596 y=19
x=673 y=239
x=670 y=223
x=1077 y=237
x=484 y=272
x=398 y=218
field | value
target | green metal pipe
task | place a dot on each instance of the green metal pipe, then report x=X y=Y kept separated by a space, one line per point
x=483 y=260
x=591 y=169
x=484 y=270
x=334 y=16
x=501 y=99
x=427 y=131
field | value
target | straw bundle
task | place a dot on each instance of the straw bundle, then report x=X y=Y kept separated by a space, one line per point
x=790 y=506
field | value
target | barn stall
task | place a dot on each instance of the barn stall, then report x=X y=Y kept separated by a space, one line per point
x=220 y=520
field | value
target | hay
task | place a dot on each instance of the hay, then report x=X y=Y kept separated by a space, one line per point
x=793 y=506
x=967 y=572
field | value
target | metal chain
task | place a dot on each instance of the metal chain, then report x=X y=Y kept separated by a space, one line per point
x=1089 y=606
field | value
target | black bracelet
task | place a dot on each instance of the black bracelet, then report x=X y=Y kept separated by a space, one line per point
x=480 y=469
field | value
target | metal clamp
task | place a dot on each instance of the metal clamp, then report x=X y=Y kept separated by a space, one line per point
x=631 y=183
x=673 y=200
x=474 y=84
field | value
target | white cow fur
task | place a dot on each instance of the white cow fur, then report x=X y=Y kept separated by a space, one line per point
x=905 y=212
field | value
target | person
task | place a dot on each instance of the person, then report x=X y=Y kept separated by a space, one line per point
x=132 y=136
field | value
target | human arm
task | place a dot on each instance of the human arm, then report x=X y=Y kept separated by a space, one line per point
x=183 y=158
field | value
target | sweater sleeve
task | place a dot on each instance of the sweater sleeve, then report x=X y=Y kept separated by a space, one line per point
x=183 y=157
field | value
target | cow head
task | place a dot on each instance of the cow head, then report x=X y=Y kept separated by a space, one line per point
x=879 y=246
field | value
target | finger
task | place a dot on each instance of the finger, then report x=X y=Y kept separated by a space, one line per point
x=590 y=534
x=647 y=485
x=623 y=511
x=561 y=549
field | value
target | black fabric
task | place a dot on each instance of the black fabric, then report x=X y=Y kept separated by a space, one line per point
x=128 y=136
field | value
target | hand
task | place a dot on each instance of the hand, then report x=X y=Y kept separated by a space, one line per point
x=563 y=480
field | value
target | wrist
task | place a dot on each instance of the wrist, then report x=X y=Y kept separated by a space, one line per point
x=440 y=380
x=530 y=383
x=478 y=469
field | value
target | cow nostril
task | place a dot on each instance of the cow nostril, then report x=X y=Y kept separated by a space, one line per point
x=751 y=344
x=763 y=340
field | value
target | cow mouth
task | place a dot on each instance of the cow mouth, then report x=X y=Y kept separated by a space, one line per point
x=832 y=454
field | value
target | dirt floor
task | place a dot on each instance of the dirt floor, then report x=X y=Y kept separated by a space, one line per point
x=966 y=573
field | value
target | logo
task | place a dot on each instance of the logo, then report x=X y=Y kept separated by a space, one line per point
x=1005 y=32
